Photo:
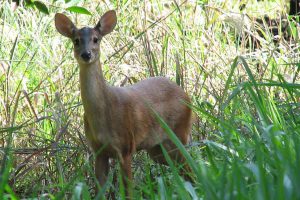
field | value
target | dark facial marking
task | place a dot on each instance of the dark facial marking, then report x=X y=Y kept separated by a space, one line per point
x=95 y=40
x=76 y=42
x=85 y=35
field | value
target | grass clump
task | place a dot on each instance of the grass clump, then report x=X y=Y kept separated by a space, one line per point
x=246 y=101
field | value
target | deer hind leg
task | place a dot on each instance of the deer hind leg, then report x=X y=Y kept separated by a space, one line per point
x=157 y=155
x=182 y=130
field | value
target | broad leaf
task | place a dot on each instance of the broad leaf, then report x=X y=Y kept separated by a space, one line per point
x=78 y=9
x=41 y=7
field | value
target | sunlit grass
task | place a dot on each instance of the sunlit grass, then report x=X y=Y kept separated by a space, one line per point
x=246 y=140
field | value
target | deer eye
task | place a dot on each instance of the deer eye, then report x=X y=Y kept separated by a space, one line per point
x=95 y=40
x=76 y=42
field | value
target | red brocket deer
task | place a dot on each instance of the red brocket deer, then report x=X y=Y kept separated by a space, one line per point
x=119 y=121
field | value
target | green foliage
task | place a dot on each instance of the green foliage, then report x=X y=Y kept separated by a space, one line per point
x=42 y=7
x=78 y=9
x=246 y=135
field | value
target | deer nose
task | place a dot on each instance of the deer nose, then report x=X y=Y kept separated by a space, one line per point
x=86 y=55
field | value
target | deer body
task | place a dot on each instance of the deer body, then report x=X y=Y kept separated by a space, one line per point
x=119 y=121
x=121 y=116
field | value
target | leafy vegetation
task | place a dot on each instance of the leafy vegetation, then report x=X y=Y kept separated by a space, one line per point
x=246 y=135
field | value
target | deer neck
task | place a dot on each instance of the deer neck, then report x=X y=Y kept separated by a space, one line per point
x=95 y=94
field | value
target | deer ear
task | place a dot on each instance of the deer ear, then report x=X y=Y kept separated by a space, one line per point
x=64 y=25
x=107 y=22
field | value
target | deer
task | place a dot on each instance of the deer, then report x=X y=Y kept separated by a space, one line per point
x=119 y=121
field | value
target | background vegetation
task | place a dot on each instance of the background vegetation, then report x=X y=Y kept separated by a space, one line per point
x=246 y=142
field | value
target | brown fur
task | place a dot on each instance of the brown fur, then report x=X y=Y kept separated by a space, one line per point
x=120 y=119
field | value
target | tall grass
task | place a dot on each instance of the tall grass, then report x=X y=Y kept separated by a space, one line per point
x=246 y=142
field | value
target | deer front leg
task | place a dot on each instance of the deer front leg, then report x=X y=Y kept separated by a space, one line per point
x=101 y=161
x=127 y=175
x=101 y=169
